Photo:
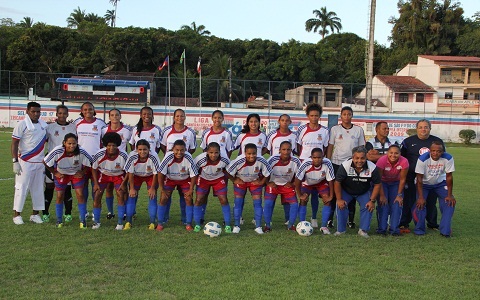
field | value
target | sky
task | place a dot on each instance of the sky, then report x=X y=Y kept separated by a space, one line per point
x=276 y=20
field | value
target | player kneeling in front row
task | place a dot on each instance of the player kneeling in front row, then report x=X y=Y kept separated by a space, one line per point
x=434 y=174
x=177 y=170
x=142 y=166
x=68 y=163
x=108 y=167
x=354 y=180
x=248 y=172
x=315 y=174
x=212 y=173
x=284 y=167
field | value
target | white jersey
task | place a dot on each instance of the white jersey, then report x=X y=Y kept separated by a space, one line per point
x=65 y=164
x=170 y=135
x=275 y=138
x=125 y=133
x=90 y=134
x=31 y=143
x=434 y=171
x=178 y=170
x=249 y=172
x=344 y=140
x=110 y=166
x=223 y=138
x=209 y=171
x=311 y=175
x=152 y=135
x=259 y=140
x=310 y=139
x=56 y=133
x=283 y=173
x=142 y=169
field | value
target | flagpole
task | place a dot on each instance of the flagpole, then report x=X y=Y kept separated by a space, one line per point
x=169 y=103
x=185 y=76
x=200 y=95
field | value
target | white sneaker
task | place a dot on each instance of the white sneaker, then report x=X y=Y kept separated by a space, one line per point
x=96 y=225
x=314 y=223
x=286 y=222
x=236 y=229
x=259 y=230
x=242 y=221
x=36 y=219
x=18 y=220
x=325 y=230
x=363 y=233
x=119 y=227
x=253 y=222
x=339 y=233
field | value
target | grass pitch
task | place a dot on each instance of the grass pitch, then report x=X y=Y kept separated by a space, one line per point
x=43 y=262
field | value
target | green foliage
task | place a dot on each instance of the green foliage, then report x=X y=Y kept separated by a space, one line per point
x=323 y=21
x=411 y=131
x=467 y=135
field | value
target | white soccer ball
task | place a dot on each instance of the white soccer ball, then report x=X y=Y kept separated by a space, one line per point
x=304 y=228
x=212 y=229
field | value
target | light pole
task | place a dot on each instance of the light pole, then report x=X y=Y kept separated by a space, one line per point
x=370 y=55
x=230 y=82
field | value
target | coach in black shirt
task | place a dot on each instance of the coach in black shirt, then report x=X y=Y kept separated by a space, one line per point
x=354 y=180
x=412 y=148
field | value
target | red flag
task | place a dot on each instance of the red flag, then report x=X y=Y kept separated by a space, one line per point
x=199 y=65
x=165 y=63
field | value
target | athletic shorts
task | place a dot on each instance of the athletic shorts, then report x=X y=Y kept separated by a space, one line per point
x=88 y=173
x=104 y=180
x=322 y=188
x=219 y=186
x=61 y=183
x=181 y=185
x=241 y=189
x=287 y=194
x=138 y=180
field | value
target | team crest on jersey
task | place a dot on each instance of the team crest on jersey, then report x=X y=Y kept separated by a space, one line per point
x=222 y=140
x=423 y=150
x=63 y=127
x=152 y=136
x=289 y=171
x=149 y=169
x=183 y=170
x=117 y=166
x=94 y=128
x=257 y=169
x=184 y=138
x=367 y=172
x=76 y=162
x=319 y=137
x=260 y=141
x=351 y=171
x=340 y=137
x=323 y=173
x=56 y=133
x=219 y=170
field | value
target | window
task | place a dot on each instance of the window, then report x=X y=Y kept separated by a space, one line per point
x=477 y=96
x=465 y=96
x=446 y=72
x=330 y=96
x=312 y=97
x=448 y=95
x=420 y=97
x=403 y=97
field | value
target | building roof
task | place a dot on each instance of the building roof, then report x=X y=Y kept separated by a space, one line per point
x=459 y=61
x=405 y=84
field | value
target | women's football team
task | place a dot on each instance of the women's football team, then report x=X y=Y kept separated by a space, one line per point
x=290 y=172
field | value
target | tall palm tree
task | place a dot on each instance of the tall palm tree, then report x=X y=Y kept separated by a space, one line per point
x=324 y=19
x=75 y=18
x=94 y=18
x=110 y=17
x=27 y=22
x=200 y=29
x=114 y=20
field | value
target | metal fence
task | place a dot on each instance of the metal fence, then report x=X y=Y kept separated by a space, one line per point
x=213 y=91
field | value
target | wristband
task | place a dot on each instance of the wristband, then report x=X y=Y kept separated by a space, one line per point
x=373 y=200
x=400 y=195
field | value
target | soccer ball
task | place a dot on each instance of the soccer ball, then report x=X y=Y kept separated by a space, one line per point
x=304 y=228
x=212 y=229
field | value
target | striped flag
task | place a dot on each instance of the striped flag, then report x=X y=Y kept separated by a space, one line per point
x=182 y=57
x=199 y=65
x=165 y=63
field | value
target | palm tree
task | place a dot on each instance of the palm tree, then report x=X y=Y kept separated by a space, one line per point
x=323 y=21
x=94 y=18
x=199 y=30
x=114 y=20
x=75 y=18
x=110 y=17
x=27 y=22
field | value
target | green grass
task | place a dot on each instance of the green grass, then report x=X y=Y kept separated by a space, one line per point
x=44 y=262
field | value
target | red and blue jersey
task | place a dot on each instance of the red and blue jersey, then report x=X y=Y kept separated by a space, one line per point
x=434 y=171
x=310 y=139
x=142 y=168
x=311 y=175
x=211 y=171
x=90 y=134
x=170 y=135
x=125 y=133
x=153 y=135
x=275 y=138
x=259 y=139
x=178 y=169
x=224 y=138
x=282 y=173
x=249 y=172
x=110 y=166
x=66 y=163
x=31 y=143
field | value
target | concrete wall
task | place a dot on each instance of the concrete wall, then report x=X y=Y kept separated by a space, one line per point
x=444 y=125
